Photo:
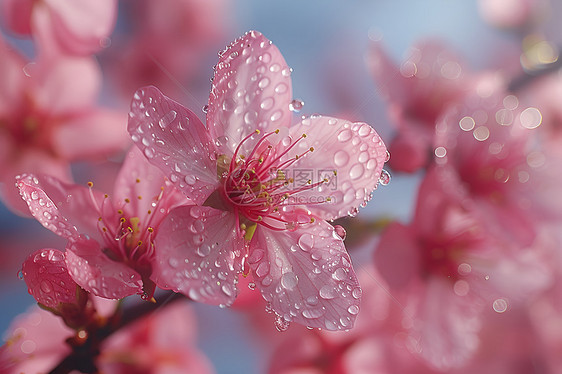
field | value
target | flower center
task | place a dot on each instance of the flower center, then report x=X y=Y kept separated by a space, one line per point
x=258 y=185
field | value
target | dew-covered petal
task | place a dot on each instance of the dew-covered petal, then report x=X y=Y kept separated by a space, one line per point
x=306 y=275
x=174 y=139
x=65 y=209
x=397 y=256
x=198 y=254
x=349 y=156
x=97 y=273
x=145 y=190
x=78 y=26
x=91 y=134
x=47 y=278
x=251 y=90
x=32 y=161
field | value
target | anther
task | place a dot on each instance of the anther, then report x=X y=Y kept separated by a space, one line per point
x=90 y=184
x=138 y=180
x=312 y=220
x=311 y=149
x=127 y=200
x=139 y=197
x=122 y=219
x=120 y=212
x=150 y=229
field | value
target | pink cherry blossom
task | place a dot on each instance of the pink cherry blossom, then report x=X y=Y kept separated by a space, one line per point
x=35 y=343
x=492 y=144
x=166 y=43
x=76 y=27
x=161 y=343
x=417 y=91
x=110 y=250
x=48 y=118
x=48 y=281
x=447 y=266
x=254 y=209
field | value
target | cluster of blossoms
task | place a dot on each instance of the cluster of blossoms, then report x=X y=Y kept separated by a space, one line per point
x=238 y=211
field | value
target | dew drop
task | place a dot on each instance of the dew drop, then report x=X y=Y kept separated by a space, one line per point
x=500 y=305
x=205 y=109
x=263 y=83
x=46 y=287
x=356 y=171
x=341 y=158
x=364 y=130
x=356 y=293
x=353 y=309
x=148 y=152
x=20 y=274
x=190 y=179
x=281 y=88
x=313 y=313
x=384 y=179
x=289 y=280
x=296 y=105
x=34 y=195
x=281 y=324
x=327 y=292
x=167 y=119
x=267 y=103
x=387 y=158
x=306 y=242
x=344 y=135
x=340 y=232
x=252 y=286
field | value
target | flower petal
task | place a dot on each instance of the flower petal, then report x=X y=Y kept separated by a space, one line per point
x=251 y=90
x=349 y=155
x=13 y=77
x=306 y=275
x=47 y=278
x=32 y=161
x=65 y=85
x=96 y=273
x=397 y=256
x=16 y=15
x=197 y=254
x=174 y=139
x=66 y=209
x=94 y=133
x=144 y=186
x=80 y=25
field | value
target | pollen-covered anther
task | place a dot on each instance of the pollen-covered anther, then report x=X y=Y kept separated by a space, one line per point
x=150 y=230
x=122 y=220
x=90 y=184
x=139 y=197
x=120 y=212
x=127 y=200
x=137 y=180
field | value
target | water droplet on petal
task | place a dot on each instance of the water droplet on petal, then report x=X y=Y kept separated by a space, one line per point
x=353 y=309
x=384 y=179
x=306 y=242
x=356 y=171
x=20 y=274
x=296 y=105
x=340 y=232
x=281 y=324
x=341 y=158
x=289 y=280
x=327 y=292
x=205 y=109
x=344 y=135
x=167 y=119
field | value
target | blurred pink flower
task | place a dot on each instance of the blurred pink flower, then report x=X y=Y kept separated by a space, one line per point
x=513 y=14
x=417 y=91
x=35 y=343
x=492 y=144
x=48 y=118
x=74 y=27
x=110 y=250
x=164 y=342
x=254 y=210
x=446 y=266
x=166 y=44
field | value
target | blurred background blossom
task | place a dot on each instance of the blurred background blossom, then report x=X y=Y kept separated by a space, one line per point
x=458 y=256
